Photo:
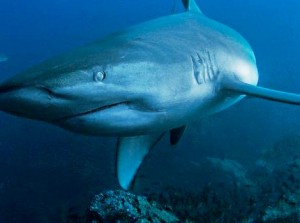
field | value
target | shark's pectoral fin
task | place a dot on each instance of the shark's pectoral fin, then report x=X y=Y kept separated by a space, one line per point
x=130 y=155
x=260 y=92
x=176 y=134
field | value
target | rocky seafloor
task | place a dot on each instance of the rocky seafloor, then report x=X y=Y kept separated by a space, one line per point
x=270 y=193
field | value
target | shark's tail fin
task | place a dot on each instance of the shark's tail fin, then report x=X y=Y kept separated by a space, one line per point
x=265 y=93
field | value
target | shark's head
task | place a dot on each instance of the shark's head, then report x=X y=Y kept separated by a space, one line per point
x=108 y=88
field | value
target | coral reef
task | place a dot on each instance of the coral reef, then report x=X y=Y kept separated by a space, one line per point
x=268 y=193
x=122 y=206
x=283 y=201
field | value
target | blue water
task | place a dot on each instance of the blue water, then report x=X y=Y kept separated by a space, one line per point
x=46 y=172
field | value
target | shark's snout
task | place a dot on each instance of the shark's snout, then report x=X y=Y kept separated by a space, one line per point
x=56 y=105
x=36 y=102
x=5 y=89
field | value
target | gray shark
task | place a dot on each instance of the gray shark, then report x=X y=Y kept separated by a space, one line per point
x=3 y=57
x=140 y=83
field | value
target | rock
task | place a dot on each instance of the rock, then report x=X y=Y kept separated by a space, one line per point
x=283 y=212
x=233 y=169
x=283 y=152
x=279 y=183
x=122 y=206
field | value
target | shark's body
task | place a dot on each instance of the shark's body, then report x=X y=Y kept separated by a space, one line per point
x=140 y=83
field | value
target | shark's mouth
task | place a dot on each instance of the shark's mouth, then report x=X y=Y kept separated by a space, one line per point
x=105 y=107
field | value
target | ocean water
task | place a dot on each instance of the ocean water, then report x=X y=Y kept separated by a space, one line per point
x=48 y=174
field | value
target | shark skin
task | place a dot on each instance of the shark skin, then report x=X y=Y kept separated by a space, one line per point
x=140 y=83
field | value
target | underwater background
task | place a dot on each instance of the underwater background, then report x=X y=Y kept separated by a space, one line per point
x=50 y=175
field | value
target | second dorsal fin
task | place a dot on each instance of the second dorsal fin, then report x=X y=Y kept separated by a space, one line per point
x=191 y=5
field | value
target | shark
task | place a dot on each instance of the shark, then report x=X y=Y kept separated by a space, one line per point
x=141 y=83
x=3 y=57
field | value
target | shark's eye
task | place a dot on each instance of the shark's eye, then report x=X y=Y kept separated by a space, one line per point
x=99 y=76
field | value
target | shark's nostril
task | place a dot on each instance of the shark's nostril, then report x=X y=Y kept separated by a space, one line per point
x=54 y=93
x=46 y=90
x=42 y=88
x=10 y=88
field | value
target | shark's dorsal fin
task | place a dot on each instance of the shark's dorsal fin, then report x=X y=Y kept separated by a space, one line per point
x=260 y=92
x=130 y=155
x=176 y=134
x=191 y=5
